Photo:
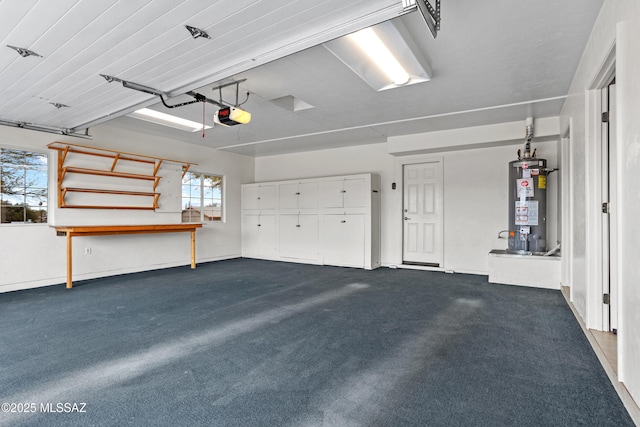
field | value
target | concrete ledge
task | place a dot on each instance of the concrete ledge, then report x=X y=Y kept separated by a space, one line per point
x=535 y=271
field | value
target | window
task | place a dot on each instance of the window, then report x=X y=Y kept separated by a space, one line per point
x=201 y=197
x=23 y=179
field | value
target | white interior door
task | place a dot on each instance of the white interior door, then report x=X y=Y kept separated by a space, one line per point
x=422 y=214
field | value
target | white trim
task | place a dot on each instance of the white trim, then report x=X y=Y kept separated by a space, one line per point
x=606 y=70
x=593 y=136
x=567 y=207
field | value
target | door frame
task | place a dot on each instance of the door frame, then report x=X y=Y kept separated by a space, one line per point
x=609 y=189
x=595 y=312
x=398 y=217
x=566 y=206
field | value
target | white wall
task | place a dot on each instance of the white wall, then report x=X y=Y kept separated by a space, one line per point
x=617 y=24
x=32 y=255
x=475 y=193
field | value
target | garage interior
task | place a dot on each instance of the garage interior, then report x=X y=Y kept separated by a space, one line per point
x=233 y=213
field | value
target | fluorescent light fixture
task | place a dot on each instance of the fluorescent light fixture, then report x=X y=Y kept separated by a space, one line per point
x=164 y=119
x=384 y=56
x=371 y=44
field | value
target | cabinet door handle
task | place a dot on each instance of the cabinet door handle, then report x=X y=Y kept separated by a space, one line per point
x=298 y=225
x=343 y=191
x=406 y=218
x=343 y=221
x=297 y=194
x=259 y=225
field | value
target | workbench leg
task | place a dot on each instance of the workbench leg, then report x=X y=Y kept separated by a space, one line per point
x=193 y=248
x=69 y=262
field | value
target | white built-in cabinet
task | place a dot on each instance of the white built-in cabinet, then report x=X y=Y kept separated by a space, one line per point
x=330 y=220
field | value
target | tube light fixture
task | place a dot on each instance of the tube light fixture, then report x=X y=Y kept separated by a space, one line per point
x=165 y=119
x=371 y=44
x=385 y=56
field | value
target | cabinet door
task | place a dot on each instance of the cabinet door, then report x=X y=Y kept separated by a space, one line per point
x=331 y=194
x=308 y=195
x=250 y=235
x=354 y=193
x=268 y=197
x=268 y=238
x=343 y=240
x=288 y=235
x=288 y=196
x=250 y=197
x=298 y=236
x=308 y=236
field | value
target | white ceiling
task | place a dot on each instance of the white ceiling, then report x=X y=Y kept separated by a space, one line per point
x=493 y=61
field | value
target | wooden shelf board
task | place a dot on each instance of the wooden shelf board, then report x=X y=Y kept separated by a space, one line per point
x=101 y=191
x=99 y=172
x=139 y=208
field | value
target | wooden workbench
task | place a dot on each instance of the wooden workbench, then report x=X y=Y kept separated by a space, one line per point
x=107 y=230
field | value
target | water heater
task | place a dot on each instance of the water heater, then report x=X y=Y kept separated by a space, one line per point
x=527 y=200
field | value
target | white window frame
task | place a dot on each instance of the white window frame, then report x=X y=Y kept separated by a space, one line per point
x=47 y=170
x=202 y=198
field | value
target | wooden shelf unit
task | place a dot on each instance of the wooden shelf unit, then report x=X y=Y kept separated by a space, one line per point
x=64 y=149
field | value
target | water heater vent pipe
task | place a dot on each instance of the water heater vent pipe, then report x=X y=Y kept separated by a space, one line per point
x=528 y=137
x=526 y=153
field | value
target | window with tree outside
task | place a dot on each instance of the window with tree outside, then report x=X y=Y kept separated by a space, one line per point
x=23 y=178
x=201 y=197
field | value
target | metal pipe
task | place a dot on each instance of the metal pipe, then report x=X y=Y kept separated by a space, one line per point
x=528 y=137
x=553 y=251
x=47 y=129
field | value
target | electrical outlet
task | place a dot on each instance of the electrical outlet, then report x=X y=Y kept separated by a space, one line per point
x=87 y=251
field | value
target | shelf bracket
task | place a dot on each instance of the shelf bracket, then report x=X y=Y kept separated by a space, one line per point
x=61 y=201
x=115 y=161
x=155 y=170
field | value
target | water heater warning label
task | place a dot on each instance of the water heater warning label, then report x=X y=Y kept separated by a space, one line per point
x=542 y=182
x=525 y=187
x=526 y=212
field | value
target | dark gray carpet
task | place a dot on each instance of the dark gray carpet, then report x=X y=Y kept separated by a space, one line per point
x=259 y=343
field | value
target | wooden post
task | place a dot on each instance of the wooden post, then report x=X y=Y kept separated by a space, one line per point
x=69 y=261
x=193 y=248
